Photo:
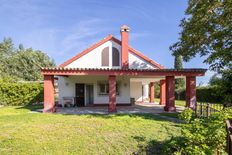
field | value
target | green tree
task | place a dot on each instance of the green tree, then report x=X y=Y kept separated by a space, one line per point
x=215 y=80
x=179 y=83
x=6 y=50
x=21 y=64
x=207 y=31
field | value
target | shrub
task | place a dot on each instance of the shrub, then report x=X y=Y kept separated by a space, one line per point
x=204 y=94
x=20 y=93
x=201 y=136
x=186 y=115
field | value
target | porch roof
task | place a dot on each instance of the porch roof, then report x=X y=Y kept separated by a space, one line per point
x=129 y=72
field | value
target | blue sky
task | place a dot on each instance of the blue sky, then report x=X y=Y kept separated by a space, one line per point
x=63 y=28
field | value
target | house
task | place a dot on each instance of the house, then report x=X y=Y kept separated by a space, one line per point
x=113 y=73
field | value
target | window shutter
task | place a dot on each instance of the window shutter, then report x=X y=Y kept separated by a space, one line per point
x=105 y=57
x=115 y=57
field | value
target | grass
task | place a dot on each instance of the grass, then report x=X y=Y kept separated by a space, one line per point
x=172 y=115
x=23 y=132
x=177 y=102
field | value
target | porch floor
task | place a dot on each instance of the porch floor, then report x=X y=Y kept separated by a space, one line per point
x=134 y=109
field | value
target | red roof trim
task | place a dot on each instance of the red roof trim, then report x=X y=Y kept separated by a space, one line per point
x=137 y=53
x=116 y=40
x=109 y=37
x=119 y=72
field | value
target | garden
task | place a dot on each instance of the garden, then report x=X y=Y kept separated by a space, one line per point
x=26 y=132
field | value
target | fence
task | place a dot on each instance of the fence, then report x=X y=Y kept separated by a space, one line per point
x=229 y=137
x=206 y=109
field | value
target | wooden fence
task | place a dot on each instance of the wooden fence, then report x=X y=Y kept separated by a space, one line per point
x=206 y=109
x=229 y=137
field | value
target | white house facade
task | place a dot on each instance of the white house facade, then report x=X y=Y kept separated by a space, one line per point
x=112 y=73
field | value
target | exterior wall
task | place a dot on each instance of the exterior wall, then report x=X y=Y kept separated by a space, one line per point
x=66 y=87
x=136 y=62
x=93 y=58
x=145 y=91
x=136 y=91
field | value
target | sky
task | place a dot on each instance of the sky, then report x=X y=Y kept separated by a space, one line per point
x=63 y=28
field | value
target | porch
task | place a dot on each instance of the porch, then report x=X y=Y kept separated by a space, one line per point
x=165 y=77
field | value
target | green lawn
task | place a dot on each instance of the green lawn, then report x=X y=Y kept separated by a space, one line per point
x=177 y=102
x=23 y=132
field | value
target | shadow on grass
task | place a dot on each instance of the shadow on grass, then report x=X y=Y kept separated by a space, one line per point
x=31 y=107
x=152 y=147
x=149 y=116
x=172 y=115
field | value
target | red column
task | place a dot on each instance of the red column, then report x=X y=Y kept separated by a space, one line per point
x=170 y=94
x=162 y=92
x=152 y=92
x=191 y=92
x=49 y=98
x=112 y=94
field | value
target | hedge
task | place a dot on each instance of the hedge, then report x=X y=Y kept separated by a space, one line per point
x=20 y=93
x=209 y=94
x=204 y=94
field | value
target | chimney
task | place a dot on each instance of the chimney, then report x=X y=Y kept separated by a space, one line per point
x=125 y=46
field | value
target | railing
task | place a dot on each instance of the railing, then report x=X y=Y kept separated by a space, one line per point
x=206 y=109
x=229 y=137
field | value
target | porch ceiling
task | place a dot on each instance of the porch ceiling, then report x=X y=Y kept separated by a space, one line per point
x=146 y=80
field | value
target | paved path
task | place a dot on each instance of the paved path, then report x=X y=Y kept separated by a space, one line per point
x=135 y=109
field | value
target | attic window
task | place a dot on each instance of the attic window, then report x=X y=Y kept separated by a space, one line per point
x=105 y=57
x=115 y=57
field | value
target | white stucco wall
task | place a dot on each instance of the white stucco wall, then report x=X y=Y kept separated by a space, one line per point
x=136 y=62
x=145 y=91
x=136 y=91
x=93 y=58
x=66 y=87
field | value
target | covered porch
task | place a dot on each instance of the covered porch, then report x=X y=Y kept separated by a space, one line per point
x=165 y=77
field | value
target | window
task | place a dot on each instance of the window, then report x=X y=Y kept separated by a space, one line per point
x=105 y=57
x=115 y=57
x=104 y=88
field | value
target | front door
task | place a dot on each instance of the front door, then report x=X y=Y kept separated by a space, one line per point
x=80 y=95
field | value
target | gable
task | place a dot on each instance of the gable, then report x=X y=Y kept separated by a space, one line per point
x=136 y=62
x=139 y=61
x=94 y=58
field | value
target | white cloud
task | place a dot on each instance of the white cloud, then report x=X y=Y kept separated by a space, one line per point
x=80 y=34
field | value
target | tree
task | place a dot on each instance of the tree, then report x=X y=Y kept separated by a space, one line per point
x=21 y=64
x=179 y=83
x=215 y=80
x=6 y=50
x=207 y=31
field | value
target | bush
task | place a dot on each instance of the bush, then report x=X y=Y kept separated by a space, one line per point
x=204 y=94
x=201 y=136
x=20 y=93
x=186 y=115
